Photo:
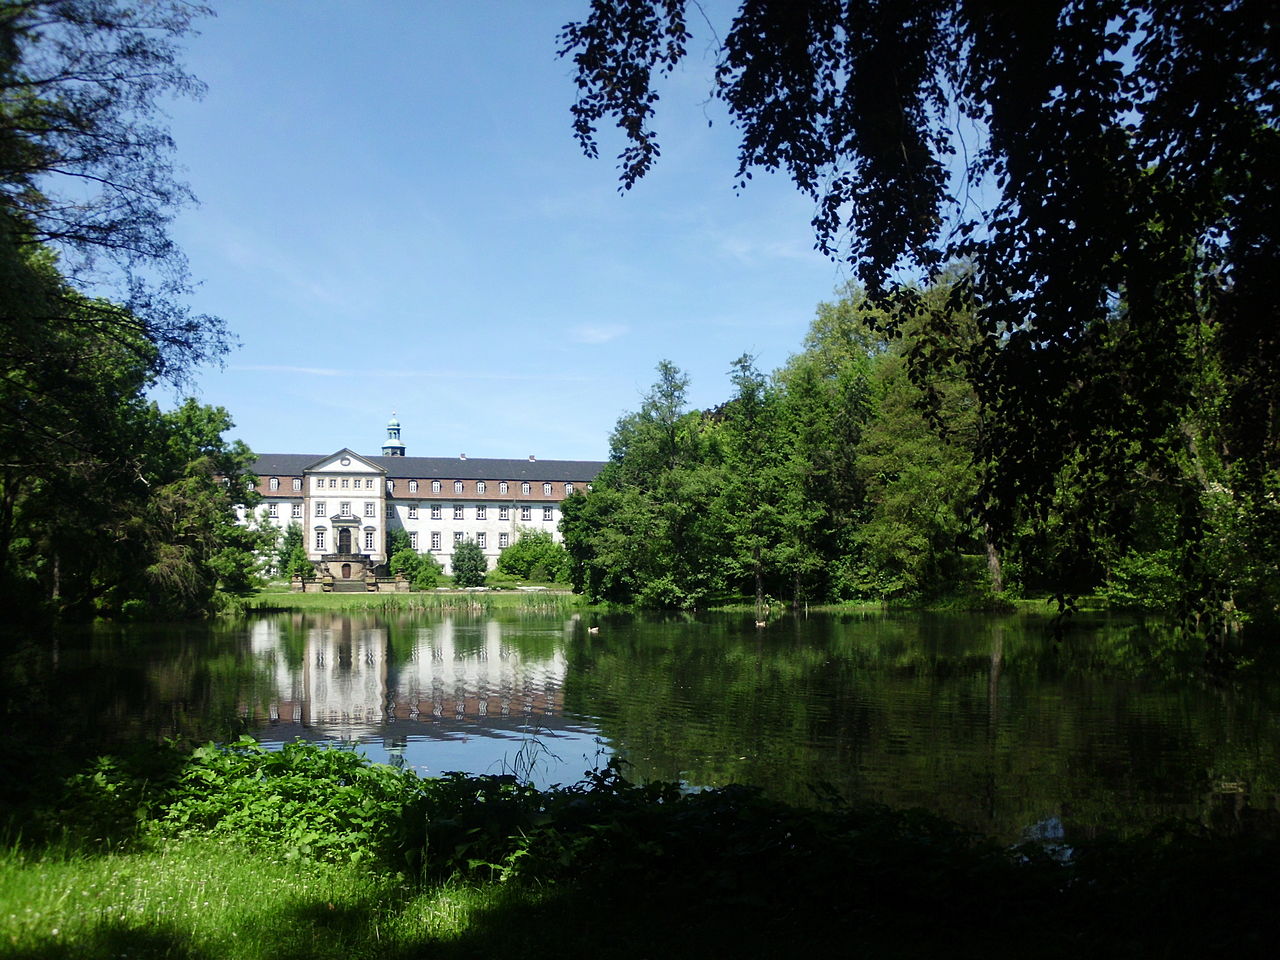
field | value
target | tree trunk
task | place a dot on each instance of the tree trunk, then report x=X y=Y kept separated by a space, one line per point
x=993 y=562
x=755 y=556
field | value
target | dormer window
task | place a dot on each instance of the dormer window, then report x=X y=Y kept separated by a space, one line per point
x=502 y=486
x=391 y=486
x=413 y=486
x=568 y=489
x=480 y=486
x=457 y=486
x=546 y=489
x=274 y=483
x=297 y=483
x=435 y=486
x=524 y=488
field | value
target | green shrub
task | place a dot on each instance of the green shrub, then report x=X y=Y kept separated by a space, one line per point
x=535 y=556
x=315 y=802
x=469 y=564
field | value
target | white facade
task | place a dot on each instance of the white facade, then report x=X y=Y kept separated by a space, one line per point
x=347 y=504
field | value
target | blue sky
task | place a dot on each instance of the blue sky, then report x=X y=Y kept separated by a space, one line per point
x=394 y=216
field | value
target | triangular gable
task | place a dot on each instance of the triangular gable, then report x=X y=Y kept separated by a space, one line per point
x=334 y=463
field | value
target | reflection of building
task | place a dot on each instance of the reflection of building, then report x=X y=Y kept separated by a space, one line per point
x=346 y=503
x=347 y=688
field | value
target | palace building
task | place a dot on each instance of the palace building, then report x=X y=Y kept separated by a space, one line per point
x=347 y=503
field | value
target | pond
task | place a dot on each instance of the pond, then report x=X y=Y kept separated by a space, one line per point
x=992 y=722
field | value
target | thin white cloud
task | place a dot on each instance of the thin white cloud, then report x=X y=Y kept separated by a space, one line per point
x=275 y=368
x=597 y=332
x=415 y=374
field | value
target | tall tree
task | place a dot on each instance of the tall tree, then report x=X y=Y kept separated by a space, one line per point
x=85 y=163
x=1110 y=171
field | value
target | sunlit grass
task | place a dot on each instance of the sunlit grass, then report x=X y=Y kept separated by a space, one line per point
x=201 y=898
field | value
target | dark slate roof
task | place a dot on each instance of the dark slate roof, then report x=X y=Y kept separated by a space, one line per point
x=441 y=468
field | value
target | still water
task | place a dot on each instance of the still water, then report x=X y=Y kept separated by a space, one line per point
x=992 y=722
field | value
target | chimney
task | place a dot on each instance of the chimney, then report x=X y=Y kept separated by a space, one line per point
x=532 y=457
x=462 y=456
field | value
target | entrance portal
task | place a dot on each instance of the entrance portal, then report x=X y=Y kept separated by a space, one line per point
x=344 y=542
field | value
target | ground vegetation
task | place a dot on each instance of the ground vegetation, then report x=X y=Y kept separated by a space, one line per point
x=240 y=852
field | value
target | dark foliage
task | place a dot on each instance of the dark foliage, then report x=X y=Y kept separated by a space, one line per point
x=1109 y=173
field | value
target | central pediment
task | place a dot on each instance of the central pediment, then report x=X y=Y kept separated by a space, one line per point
x=344 y=461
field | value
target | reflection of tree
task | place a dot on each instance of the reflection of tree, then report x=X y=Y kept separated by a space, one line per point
x=991 y=723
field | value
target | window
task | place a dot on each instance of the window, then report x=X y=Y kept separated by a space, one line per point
x=480 y=540
x=413 y=539
x=296 y=511
x=480 y=513
x=413 y=486
x=504 y=541
x=568 y=489
x=391 y=486
x=370 y=508
x=589 y=488
x=502 y=486
x=344 y=508
x=413 y=511
x=333 y=484
x=504 y=513
x=320 y=539
x=457 y=536
x=273 y=510
x=457 y=512
x=274 y=483
x=319 y=483
x=297 y=483
x=546 y=513
x=435 y=539
x=546 y=489
x=319 y=508
x=457 y=486
x=368 y=539
x=435 y=486
x=391 y=510
x=435 y=511
x=480 y=486
x=524 y=513
x=524 y=488
x=345 y=483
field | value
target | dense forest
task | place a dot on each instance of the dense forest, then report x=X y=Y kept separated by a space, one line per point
x=108 y=506
x=843 y=477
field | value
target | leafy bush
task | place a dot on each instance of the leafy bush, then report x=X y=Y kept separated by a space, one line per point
x=423 y=571
x=536 y=556
x=315 y=802
x=469 y=564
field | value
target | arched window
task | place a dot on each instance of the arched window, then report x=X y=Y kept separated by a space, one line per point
x=480 y=486
x=435 y=486
x=546 y=489
x=457 y=486
x=524 y=487
x=568 y=489
x=274 y=483
x=502 y=486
